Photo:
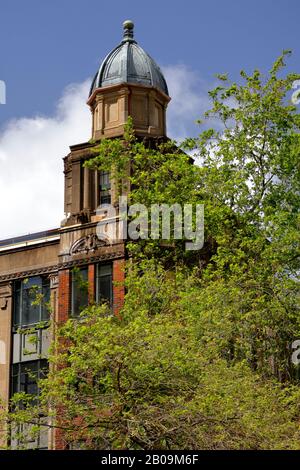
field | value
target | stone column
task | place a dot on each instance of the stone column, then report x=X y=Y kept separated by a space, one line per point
x=96 y=190
x=86 y=189
x=76 y=187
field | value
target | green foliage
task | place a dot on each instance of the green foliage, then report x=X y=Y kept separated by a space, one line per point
x=201 y=356
x=146 y=381
x=154 y=174
x=251 y=176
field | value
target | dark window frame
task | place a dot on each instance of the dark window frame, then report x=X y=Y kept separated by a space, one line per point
x=24 y=292
x=104 y=272
x=25 y=373
x=104 y=187
x=78 y=306
x=18 y=371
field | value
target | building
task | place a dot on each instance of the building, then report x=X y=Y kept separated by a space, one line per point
x=128 y=82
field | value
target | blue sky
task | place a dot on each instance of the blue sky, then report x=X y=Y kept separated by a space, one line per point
x=45 y=45
x=49 y=50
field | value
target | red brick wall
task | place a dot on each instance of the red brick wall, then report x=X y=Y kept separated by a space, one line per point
x=118 y=285
x=91 y=279
x=64 y=308
x=64 y=296
x=59 y=442
x=63 y=313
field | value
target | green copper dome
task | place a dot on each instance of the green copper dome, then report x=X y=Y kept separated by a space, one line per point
x=129 y=63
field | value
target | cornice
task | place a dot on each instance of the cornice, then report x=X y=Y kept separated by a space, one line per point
x=61 y=266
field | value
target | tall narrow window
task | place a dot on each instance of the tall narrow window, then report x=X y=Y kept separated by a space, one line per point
x=104 y=283
x=30 y=344
x=105 y=187
x=79 y=290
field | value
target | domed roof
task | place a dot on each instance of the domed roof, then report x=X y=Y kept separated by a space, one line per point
x=129 y=63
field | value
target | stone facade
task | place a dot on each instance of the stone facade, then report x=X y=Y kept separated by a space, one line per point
x=111 y=108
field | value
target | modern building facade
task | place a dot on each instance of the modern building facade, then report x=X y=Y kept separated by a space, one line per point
x=128 y=83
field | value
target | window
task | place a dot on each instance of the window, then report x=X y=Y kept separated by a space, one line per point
x=30 y=344
x=79 y=290
x=26 y=436
x=30 y=338
x=30 y=301
x=25 y=376
x=105 y=187
x=104 y=283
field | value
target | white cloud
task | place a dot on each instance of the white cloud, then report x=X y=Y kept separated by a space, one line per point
x=31 y=150
x=189 y=101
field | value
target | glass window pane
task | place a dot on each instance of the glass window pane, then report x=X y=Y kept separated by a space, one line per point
x=105 y=187
x=30 y=310
x=43 y=369
x=29 y=306
x=104 y=269
x=104 y=180
x=26 y=375
x=32 y=282
x=104 y=283
x=79 y=290
x=105 y=198
x=105 y=289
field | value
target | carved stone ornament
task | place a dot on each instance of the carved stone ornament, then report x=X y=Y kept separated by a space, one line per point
x=86 y=244
x=3 y=303
x=53 y=281
x=5 y=294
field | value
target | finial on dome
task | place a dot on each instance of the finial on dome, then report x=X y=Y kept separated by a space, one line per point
x=128 y=26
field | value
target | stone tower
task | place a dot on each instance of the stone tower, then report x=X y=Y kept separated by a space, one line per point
x=128 y=82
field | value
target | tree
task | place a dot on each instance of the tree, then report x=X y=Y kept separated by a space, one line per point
x=201 y=356
x=143 y=381
x=251 y=174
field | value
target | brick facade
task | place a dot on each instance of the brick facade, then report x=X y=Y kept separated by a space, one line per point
x=64 y=296
x=91 y=280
